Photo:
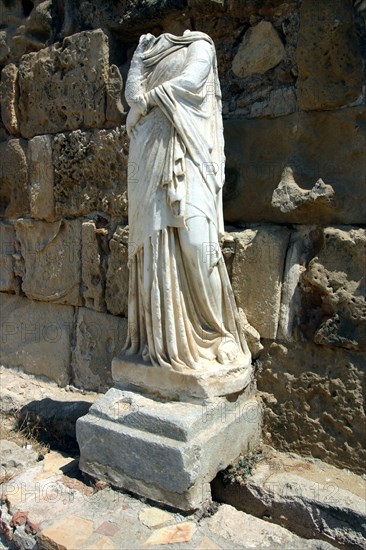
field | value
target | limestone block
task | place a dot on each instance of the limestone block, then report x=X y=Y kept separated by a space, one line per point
x=63 y=87
x=257 y=272
x=41 y=178
x=93 y=268
x=36 y=336
x=314 y=402
x=99 y=337
x=329 y=145
x=307 y=496
x=14 y=195
x=328 y=56
x=51 y=255
x=9 y=98
x=116 y=293
x=334 y=289
x=8 y=282
x=91 y=172
x=166 y=451
x=260 y=50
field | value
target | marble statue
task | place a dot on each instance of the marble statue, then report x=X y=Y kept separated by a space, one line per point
x=183 y=405
x=182 y=313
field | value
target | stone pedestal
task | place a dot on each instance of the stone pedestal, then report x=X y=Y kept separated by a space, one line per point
x=167 y=450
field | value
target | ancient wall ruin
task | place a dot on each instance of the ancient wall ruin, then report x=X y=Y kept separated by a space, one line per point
x=293 y=84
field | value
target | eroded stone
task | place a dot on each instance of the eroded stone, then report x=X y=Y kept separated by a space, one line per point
x=257 y=275
x=99 y=337
x=63 y=87
x=328 y=56
x=14 y=194
x=9 y=98
x=260 y=51
x=36 y=336
x=51 y=256
x=42 y=204
x=8 y=281
x=116 y=293
x=91 y=172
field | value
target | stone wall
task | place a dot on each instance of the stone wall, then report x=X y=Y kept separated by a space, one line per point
x=293 y=84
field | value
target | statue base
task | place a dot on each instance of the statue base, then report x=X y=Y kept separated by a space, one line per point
x=166 y=451
x=132 y=373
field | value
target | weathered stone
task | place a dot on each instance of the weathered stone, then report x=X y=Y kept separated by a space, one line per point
x=314 y=403
x=231 y=527
x=36 y=336
x=334 y=293
x=14 y=458
x=42 y=205
x=14 y=195
x=8 y=282
x=260 y=51
x=299 y=247
x=63 y=87
x=166 y=451
x=51 y=254
x=114 y=109
x=328 y=145
x=131 y=372
x=91 y=172
x=154 y=517
x=288 y=195
x=257 y=275
x=116 y=294
x=68 y=533
x=267 y=103
x=306 y=496
x=174 y=534
x=252 y=336
x=9 y=98
x=328 y=56
x=93 y=268
x=99 y=337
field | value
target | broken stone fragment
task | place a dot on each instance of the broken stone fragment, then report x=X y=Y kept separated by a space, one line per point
x=260 y=51
x=288 y=195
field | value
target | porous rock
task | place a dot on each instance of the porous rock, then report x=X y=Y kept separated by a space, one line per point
x=64 y=87
x=91 y=172
x=313 y=402
x=334 y=291
x=328 y=56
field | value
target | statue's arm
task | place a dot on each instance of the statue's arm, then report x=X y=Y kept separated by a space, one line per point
x=136 y=80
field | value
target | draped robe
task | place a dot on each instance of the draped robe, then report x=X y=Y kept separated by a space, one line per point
x=181 y=307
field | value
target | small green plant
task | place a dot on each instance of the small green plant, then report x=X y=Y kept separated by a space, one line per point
x=243 y=468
